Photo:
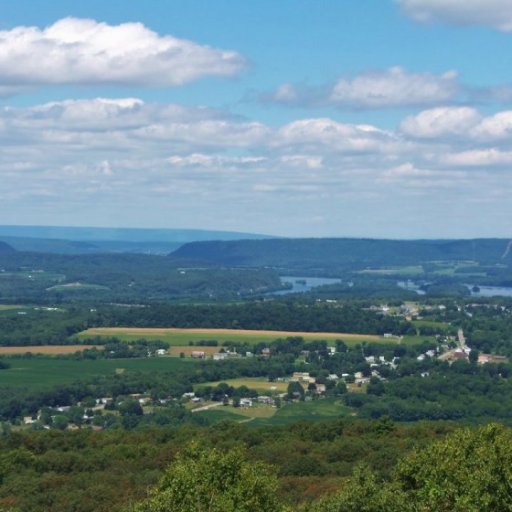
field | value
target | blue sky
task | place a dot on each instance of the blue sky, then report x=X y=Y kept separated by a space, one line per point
x=381 y=118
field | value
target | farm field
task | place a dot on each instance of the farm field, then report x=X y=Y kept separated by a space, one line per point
x=257 y=383
x=76 y=286
x=46 y=349
x=314 y=410
x=39 y=372
x=9 y=307
x=177 y=337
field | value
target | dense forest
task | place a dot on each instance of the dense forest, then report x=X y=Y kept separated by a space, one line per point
x=26 y=277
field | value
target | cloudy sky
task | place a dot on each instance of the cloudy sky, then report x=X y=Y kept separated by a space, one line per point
x=378 y=118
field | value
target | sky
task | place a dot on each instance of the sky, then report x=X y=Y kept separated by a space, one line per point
x=353 y=118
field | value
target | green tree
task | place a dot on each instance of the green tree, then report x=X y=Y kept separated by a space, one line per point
x=469 y=471
x=208 y=480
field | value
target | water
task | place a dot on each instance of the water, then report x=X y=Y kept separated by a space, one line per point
x=303 y=284
x=410 y=286
x=485 y=291
x=491 y=291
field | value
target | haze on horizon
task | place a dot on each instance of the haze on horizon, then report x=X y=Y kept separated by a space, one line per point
x=386 y=119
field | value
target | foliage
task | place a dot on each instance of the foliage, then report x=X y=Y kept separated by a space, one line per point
x=202 y=480
x=469 y=471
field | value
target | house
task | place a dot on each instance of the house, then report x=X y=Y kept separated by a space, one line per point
x=245 y=402
x=198 y=354
x=265 y=352
x=161 y=352
x=268 y=400
x=301 y=376
x=220 y=356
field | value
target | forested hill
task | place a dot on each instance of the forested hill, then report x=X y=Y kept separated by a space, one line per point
x=314 y=253
x=4 y=247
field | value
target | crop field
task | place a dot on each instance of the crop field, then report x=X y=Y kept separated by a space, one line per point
x=259 y=384
x=10 y=307
x=46 y=349
x=181 y=337
x=69 y=287
x=314 y=410
x=39 y=372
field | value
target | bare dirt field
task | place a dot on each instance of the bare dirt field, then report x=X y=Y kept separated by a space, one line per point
x=46 y=349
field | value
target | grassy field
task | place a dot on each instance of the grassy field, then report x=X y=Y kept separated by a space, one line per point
x=177 y=337
x=259 y=384
x=406 y=270
x=314 y=410
x=40 y=372
x=8 y=307
x=69 y=287
x=46 y=349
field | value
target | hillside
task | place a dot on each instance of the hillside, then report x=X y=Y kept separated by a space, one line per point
x=5 y=247
x=343 y=253
x=86 y=240
x=121 y=277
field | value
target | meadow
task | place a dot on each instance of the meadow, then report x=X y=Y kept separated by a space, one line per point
x=313 y=410
x=38 y=372
x=46 y=349
x=257 y=383
x=180 y=337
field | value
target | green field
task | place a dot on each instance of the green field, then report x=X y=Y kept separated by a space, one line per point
x=257 y=383
x=38 y=372
x=314 y=410
x=9 y=307
x=412 y=270
x=180 y=337
x=72 y=287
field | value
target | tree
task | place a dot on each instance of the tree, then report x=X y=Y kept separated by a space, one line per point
x=208 y=480
x=469 y=471
x=295 y=390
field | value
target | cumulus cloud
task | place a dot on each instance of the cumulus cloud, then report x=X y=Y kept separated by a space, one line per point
x=493 y=13
x=441 y=122
x=395 y=87
x=156 y=158
x=387 y=88
x=339 y=137
x=486 y=158
x=86 y=52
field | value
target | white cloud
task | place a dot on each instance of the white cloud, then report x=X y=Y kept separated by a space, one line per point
x=386 y=88
x=486 y=158
x=339 y=137
x=286 y=93
x=160 y=162
x=85 y=52
x=395 y=87
x=441 y=122
x=493 y=13
x=495 y=128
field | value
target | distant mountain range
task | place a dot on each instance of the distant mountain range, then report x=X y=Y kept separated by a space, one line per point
x=5 y=247
x=340 y=253
x=88 y=240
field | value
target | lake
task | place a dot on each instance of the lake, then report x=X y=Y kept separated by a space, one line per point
x=491 y=291
x=303 y=284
